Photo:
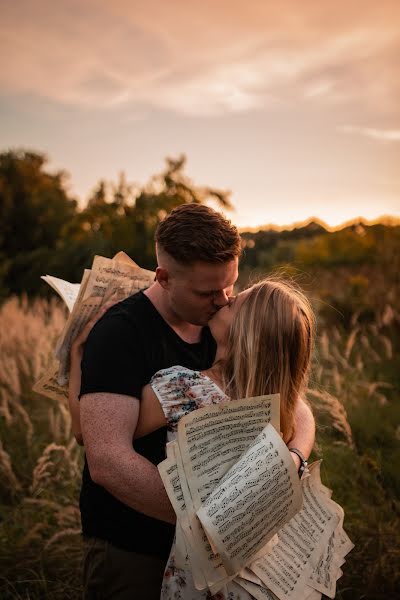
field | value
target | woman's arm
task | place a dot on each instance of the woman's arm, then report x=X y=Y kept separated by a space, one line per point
x=151 y=415
x=304 y=436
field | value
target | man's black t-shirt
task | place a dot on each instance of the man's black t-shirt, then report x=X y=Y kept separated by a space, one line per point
x=123 y=351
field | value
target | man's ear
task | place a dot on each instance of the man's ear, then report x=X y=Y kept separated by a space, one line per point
x=162 y=277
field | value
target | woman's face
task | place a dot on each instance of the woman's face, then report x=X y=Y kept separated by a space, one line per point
x=220 y=323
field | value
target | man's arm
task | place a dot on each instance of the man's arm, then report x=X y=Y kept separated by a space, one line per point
x=74 y=383
x=304 y=436
x=108 y=424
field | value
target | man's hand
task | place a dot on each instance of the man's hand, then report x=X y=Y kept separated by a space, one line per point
x=108 y=424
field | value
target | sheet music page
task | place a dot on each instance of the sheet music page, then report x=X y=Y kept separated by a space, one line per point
x=206 y=566
x=68 y=291
x=210 y=563
x=343 y=544
x=260 y=592
x=194 y=536
x=181 y=550
x=287 y=569
x=187 y=511
x=324 y=576
x=222 y=587
x=73 y=315
x=267 y=548
x=203 y=558
x=169 y=449
x=311 y=594
x=170 y=477
x=212 y=438
x=109 y=279
x=198 y=549
x=253 y=500
x=247 y=574
x=123 y=257
x=48 y=384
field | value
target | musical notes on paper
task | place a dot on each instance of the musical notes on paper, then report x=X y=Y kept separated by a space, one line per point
x=245 y=518
x=254 y=499
x=109 y=280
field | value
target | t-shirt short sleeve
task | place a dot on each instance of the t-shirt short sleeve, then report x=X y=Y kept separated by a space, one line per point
x=113 y=358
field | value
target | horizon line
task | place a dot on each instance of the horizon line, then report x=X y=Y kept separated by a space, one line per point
x=388 y=220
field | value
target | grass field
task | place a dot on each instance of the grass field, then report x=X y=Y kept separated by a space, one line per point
x=354 y=393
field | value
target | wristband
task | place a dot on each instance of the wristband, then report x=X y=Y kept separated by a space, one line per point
x=303 y=462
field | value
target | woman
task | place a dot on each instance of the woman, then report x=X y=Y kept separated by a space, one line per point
x=264 y=345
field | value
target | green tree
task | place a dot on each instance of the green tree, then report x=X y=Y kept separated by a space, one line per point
x=121 y=217
x=42 y=230
x=34 y=207
x=163 y=192
x=34 y=204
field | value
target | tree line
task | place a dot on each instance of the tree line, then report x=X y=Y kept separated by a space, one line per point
x=43 y=229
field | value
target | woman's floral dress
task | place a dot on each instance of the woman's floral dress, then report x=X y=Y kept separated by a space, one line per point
x=180 y=391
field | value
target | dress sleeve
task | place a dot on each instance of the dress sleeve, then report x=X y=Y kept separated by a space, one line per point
x=174 y=393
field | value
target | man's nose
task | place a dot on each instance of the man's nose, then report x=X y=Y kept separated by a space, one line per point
x=221 y=298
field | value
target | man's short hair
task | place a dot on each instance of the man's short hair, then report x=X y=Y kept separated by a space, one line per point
x=195 y=232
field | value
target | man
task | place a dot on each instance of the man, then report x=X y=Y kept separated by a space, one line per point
x=127 y=519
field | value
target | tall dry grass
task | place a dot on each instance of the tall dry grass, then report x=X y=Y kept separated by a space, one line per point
x=40 y=462
x=353 y=392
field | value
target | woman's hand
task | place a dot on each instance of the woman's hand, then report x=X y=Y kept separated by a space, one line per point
x=74 y=384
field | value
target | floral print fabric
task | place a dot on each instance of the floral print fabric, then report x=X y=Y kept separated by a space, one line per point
x=181 y=390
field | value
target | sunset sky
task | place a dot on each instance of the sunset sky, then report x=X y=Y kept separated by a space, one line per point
x=294 y=105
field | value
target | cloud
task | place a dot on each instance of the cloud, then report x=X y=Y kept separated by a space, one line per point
x=387 y=135
x=207 y=58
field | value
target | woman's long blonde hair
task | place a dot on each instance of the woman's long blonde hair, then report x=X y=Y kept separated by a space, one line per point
x=269 y=346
